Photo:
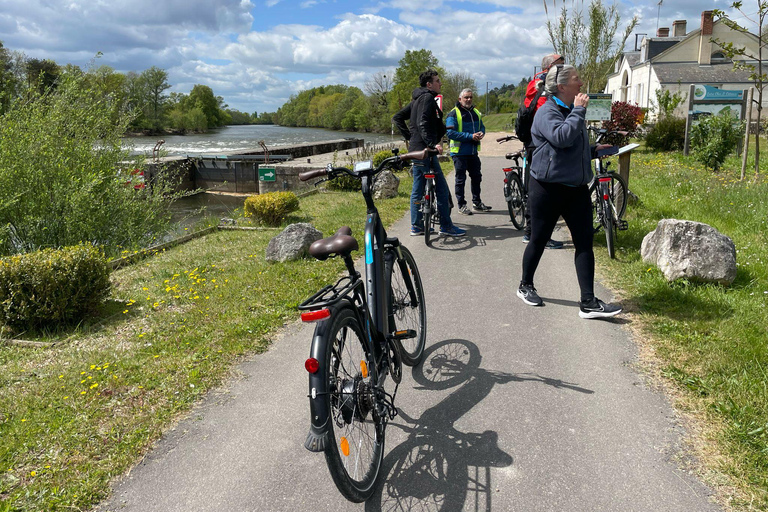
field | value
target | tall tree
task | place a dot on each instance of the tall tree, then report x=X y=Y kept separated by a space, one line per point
x=756 y=67
x=413 y=63
x=453 y=84
x=155 y=83
x=592 y=47
x=42 y=74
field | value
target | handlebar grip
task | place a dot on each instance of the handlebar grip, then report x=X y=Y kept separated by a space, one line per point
x=308 y=175
x=505 y=139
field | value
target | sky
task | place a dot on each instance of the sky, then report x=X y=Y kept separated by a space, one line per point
x=257 y=53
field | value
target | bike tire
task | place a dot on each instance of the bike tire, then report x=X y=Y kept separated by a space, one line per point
x=428 y=213
x=403 y=314
x=352 y=428
x=618 y=190
x=609 y=225
x=516 y=201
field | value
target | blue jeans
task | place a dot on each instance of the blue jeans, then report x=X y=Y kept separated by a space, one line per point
x=420 y=168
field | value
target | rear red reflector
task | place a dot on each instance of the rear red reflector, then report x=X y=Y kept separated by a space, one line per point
x=603 y=180
x=312 y=365
x=605 y=196
x=507 y=169
x=429 y=176
x=505 y=180
x=426 y=197
x=314 y=316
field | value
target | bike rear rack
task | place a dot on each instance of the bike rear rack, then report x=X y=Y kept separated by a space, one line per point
x=331 y=294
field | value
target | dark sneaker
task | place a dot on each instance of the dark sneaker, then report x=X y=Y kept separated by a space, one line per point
x=528 y=293
x=597 y=309
x=454 y=231
x=526 y=239
x=480 y=207
x=554 y=244
x=417 y=231
x=465 y=210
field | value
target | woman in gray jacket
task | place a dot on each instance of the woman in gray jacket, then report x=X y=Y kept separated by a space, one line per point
x=560 y=172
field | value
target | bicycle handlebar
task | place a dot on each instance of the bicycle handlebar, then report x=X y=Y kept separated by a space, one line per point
x=506 y=139
x=331 y=171
x=602 y=133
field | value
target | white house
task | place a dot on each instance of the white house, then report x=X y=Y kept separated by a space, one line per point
x=675 y=61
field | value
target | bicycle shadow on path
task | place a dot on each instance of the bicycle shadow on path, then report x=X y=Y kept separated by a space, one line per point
x=439 y=468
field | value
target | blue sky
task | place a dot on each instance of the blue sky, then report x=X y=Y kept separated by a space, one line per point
x=256 y=53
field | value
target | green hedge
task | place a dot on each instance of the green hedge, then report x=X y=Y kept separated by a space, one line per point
x=53 y=286
x=271 y=208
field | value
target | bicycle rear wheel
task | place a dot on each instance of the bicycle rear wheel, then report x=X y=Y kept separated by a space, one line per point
x=617 y=188
x=428 y=205
x=515 y=200
x=356 y=450
x=408 y=310
x=609 y=225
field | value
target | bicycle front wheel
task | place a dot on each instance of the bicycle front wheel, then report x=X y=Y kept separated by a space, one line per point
x=516 y=200
x=407 y=309
x=356 y=450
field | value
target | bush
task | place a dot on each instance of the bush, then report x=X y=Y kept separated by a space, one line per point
x=381 y=156
x=714 y=137
x=52 y=286
x=624 y=117
x=344 y=182
x=667 y=135
x=272 y=208
x=61 y=181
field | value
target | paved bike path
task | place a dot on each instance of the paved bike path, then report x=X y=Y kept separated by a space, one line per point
x=514 y=407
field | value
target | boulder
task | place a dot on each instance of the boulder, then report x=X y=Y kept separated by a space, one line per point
x=386 y=185
x=292 y=243
x=691 y=250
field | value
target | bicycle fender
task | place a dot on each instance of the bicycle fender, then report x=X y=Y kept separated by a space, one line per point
x=317 y=438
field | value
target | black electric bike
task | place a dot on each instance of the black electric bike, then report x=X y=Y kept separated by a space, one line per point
x=364 y=335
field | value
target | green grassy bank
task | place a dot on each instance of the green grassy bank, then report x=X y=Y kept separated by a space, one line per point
x=709 y=342
x=500 y=123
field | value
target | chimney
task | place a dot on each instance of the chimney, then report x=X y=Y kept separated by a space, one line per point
x=705 y=43
x=678 y=28
x=663 y=32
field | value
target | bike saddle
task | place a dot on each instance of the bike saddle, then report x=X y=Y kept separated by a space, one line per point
x=342 y=243
x=510 y=156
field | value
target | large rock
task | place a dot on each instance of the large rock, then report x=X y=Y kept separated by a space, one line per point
x=293 y=243
x=691 y=250
x=386 y=185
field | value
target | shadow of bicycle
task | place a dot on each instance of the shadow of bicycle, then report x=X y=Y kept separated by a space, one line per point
x=439 y=468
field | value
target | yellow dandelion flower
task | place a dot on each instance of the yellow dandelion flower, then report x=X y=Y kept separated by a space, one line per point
x=156 y=357
x=32 y=473
x=126 y=311
x=66 y=397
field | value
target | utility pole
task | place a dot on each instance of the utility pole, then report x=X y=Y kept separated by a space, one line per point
x=658 y=12
x=486 y=97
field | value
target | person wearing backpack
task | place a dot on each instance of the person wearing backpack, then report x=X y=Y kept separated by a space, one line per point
x=535 y=96
x=465 y=130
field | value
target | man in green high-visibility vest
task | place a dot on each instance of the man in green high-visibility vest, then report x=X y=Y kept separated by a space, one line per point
x=465 y=130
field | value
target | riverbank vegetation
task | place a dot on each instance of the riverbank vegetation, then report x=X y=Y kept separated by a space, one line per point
x=708 y=342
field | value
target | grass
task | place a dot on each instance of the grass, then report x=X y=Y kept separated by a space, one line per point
x=80 y=413
x=499 y=122
x=709 y=342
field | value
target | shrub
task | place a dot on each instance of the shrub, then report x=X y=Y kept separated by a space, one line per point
x=666 y=102
x=381 y=156
x=344 y=182
x=61 y=181
x=666 y=135
x=624 y=117
x=52 y=286
x=271 y=208
x=714 y=137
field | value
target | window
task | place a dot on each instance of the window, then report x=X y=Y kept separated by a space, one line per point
x=638 y=93
x=719 y=58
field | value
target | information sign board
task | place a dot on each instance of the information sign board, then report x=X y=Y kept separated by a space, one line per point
x=267 y=174
x=599 y=108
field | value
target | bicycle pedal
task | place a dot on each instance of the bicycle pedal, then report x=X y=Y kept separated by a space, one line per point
x=402 y=335
x=623 y=225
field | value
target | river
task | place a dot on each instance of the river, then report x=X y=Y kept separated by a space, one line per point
x=233 y=139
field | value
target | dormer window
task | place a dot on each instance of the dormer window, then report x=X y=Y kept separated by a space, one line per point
x=719 y=58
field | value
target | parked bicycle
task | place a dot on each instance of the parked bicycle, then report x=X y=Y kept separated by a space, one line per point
x=609 y=193
x=514 y=191
x=364 y=334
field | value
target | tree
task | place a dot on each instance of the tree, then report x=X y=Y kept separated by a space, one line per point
x=42 y=74
x=8 y=81
x=413 y=63
x=155 y=83
x=378 y=87
x=453 y=84
x=757 y=75
x=201 y=96
x=591 y=49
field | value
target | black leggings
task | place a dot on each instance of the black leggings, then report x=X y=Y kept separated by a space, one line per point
x=547 y=203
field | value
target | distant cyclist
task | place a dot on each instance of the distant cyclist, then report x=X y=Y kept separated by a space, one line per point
x=426 y=130
x=465 y=131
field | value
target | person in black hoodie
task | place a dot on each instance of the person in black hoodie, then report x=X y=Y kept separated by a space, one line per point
x=427 y=129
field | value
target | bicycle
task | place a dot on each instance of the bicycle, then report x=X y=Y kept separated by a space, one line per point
x=364 y=334
x=429 y=211
x=608 y=191
x=514 y=190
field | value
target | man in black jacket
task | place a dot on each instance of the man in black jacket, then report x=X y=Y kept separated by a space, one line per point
x=426 y=131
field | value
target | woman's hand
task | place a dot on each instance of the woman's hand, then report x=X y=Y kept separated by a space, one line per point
x=581 y=100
